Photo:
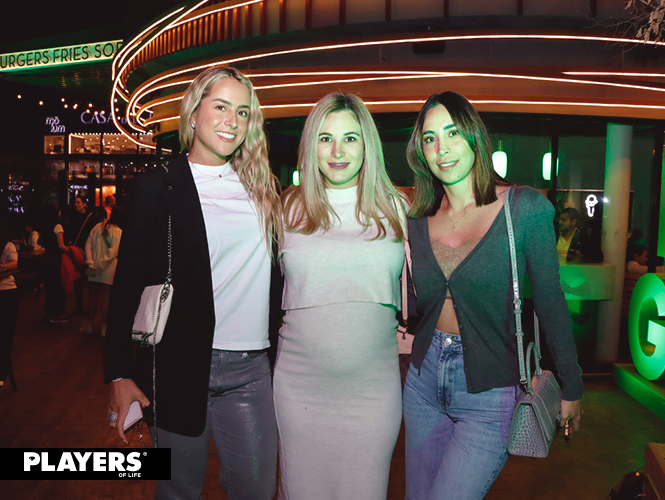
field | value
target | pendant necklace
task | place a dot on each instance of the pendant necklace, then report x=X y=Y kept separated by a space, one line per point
x=226 y=172
x=455 y=222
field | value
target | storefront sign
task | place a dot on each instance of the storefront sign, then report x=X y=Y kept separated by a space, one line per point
x=58 y=56
x=590 y=203
x=646 y=326
x=56 y=126
x=101 y=118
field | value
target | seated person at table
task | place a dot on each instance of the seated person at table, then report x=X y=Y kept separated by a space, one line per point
x=637 y=260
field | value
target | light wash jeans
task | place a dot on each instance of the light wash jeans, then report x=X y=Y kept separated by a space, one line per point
x=455 y=440
x=241 y=419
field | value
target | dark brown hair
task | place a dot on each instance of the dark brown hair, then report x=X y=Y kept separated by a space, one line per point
x=428 y=189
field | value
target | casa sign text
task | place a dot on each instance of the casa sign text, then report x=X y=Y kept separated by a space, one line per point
x=73 y=54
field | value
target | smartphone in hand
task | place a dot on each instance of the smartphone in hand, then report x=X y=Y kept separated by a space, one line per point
x=134 y=414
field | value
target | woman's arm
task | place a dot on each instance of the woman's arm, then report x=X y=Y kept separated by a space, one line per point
x=11 y=257
x=89 y=260
x=61 y=242
x=539 y=248
x=129 y=281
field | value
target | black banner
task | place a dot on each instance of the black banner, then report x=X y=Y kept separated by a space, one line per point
x=85 y=463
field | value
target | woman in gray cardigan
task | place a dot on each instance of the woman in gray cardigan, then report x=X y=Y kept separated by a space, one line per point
x=462 y=385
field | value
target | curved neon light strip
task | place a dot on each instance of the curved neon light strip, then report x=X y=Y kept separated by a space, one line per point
x=612 y=73
x=138 y=51
x=117 y=60
x=132 y=103
x=472 y=101
x=406 y=77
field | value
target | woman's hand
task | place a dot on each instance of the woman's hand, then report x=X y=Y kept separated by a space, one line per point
x=572 y=410
x=123 y=393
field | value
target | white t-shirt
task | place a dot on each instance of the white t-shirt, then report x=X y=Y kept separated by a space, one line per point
x=635 y=267
x=239 y=259
x=9 y=254
x=33 y=240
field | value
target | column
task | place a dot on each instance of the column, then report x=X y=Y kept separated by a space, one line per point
x=614 y=233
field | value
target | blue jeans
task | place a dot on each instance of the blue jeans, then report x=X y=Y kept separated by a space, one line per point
x=241 y=419
x=455 y=440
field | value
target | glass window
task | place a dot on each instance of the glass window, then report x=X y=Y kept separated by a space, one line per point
x=51 y=168
x=146 y=138
x=640 y=182
x=118 y=144
x=54 y=144
x=525 y=140
x=81 y=169
x=108 y=170
x=84 y=143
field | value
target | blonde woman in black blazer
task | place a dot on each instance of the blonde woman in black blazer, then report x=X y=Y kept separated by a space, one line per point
x=202 y=390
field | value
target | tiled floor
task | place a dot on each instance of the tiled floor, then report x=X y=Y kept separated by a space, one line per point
x=61 y=402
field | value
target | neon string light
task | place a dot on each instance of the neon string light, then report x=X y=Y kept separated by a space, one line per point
x=133 y=106
x=612 y=73
x=123 y=52
x=429 y=75
x=117 y=78
x=384 y=42
x=422 y=101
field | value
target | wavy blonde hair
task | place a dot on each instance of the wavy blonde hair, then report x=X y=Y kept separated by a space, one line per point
x=250 y=160
x=306 y=207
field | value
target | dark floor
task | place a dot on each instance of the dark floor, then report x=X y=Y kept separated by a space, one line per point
x=61 y=402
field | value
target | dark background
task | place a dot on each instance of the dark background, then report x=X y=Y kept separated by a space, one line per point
x=28 y=25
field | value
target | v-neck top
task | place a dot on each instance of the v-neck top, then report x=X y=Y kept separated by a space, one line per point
x=481 y=287
x=450 y=257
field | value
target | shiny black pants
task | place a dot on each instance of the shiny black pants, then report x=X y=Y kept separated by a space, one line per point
x=241 y=420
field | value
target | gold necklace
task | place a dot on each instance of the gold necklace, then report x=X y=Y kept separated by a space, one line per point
x=455 y=222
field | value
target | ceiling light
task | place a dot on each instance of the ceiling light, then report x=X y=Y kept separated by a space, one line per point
x=500 y=162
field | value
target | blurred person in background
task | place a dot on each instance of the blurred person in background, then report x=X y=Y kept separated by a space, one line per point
x=101 y=252
x=9 y=299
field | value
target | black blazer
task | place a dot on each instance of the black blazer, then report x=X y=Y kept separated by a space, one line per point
x=183 y=356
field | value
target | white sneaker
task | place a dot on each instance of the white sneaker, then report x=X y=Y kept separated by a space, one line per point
x=87 y=329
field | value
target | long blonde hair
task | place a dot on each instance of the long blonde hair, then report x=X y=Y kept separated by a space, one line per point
x=306 y=206
x=250 y=160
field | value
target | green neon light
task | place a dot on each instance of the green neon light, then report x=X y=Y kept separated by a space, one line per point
x=59 y=56
x=646 y=326
x=661 y=224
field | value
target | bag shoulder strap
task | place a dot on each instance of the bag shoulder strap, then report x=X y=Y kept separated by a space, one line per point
x=525 y=378
x=517 y=301
x=406 y=267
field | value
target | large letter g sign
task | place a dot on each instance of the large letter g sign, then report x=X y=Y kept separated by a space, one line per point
x=646 y=326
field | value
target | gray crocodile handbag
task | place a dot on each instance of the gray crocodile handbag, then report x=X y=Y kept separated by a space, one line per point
x=537 y=407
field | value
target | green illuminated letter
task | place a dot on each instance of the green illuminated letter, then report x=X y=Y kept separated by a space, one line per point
x=646 y=328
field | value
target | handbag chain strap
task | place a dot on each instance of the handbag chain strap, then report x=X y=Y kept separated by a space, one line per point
x=169 y=246
x=525 y=380
x=162 y=298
